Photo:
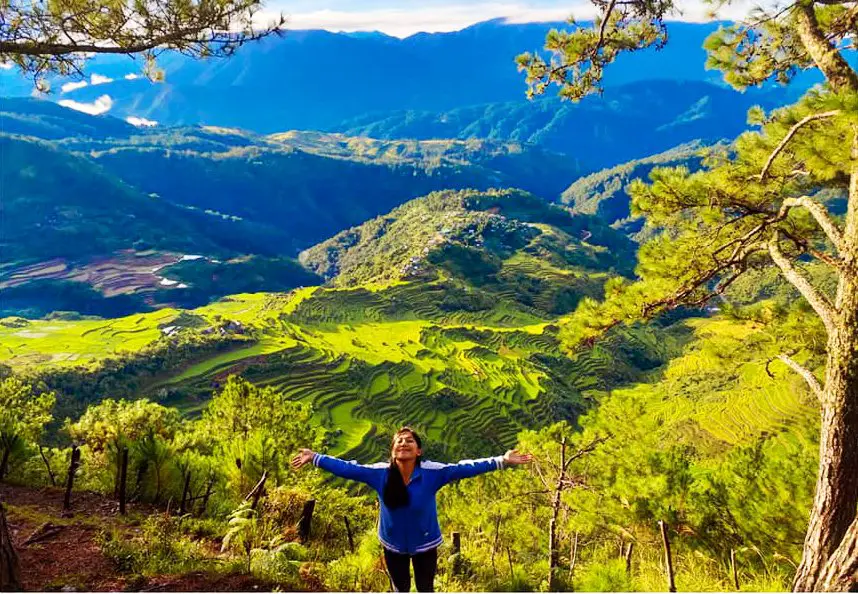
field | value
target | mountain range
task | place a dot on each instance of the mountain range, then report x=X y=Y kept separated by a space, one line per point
x=317 y=80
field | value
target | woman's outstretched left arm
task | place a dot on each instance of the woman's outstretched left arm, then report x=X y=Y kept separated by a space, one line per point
x=469 y=468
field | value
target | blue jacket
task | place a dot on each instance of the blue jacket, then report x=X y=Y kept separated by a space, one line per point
x=413 y=528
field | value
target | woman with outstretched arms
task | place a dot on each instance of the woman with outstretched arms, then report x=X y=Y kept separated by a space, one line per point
x=406 y=486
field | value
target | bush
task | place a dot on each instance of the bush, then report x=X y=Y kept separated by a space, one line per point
x=605 y=576
x=162 y=548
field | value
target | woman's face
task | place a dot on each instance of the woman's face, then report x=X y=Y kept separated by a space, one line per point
x=405 y=447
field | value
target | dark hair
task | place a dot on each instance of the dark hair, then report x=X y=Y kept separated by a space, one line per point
x=395 y=493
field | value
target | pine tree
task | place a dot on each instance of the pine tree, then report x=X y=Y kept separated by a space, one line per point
x=759 y=204
x=60 y=36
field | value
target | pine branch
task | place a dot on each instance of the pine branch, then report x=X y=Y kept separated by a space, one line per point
x=792 y=132
x=819 y=302
x=804 y=372
x=584 y=451
x=822 y=216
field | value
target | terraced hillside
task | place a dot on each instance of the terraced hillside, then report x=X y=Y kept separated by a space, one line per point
x=468 y=386
x=487 y=248
x=464 y=348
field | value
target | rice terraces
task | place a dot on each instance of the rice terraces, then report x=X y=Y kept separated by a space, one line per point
x=718 y=391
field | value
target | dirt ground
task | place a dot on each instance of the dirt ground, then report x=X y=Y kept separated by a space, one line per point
x=68 y=557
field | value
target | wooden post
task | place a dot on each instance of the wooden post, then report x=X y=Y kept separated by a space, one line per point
x=4 y=462
x=457 y=553
x=73 y=466
x=123 y=479
x=306 y=519
x=257 y=491
x=734 y=569
x=495 y=545
x=185 y=490
x=349 y=534
x=668 y=560
x=10 y=569
x=509 y=558
x=629 y=550
x=204 y=503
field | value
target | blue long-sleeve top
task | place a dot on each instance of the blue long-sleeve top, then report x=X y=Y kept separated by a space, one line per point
x=412 y=528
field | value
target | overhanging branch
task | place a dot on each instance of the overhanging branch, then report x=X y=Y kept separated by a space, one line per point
x=822 y=216
x=819 y=302
x=792 y=132
x=804 y=372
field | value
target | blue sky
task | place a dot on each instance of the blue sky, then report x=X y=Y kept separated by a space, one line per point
x=406 y=17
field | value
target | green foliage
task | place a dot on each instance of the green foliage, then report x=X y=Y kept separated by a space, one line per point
x=609 y=576
x=578 y=58
x=24 y=413
x=254 y=430
x=112 y=424
x=56 y=39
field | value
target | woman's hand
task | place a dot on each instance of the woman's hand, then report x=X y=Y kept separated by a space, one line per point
x=512 y=457
x=303 y=456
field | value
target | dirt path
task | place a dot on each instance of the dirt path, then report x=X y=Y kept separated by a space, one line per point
x=69 y=558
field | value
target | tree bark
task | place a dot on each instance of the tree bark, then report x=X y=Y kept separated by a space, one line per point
x=4 y=463
x=48 y=466
x=552 y=525
x=668 y=558
x=826 y=57
x=834 y=506
x=841 y=571
x=10 y=570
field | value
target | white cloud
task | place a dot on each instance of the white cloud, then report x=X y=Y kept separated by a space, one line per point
x=131 y=76
x=71 y=86
x=401 y=21
x=140 y=122
x=99 y=106
x=98 y=79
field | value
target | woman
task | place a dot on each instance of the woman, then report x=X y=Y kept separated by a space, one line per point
x=406 y=486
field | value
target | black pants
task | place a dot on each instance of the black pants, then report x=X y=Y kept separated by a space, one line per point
x=425 y=564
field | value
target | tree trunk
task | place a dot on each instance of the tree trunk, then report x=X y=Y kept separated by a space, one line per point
x=4 y=462
x=552 y=524
x=48 y=466
x=123 y=479
x=208 y=494
x=185 y=490
x=841 y=571
x=836 y=499
x=10 y=571
x=668 y=558
x=826 y=57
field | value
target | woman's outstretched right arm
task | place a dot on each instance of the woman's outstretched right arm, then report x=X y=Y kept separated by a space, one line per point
x=371 y=474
